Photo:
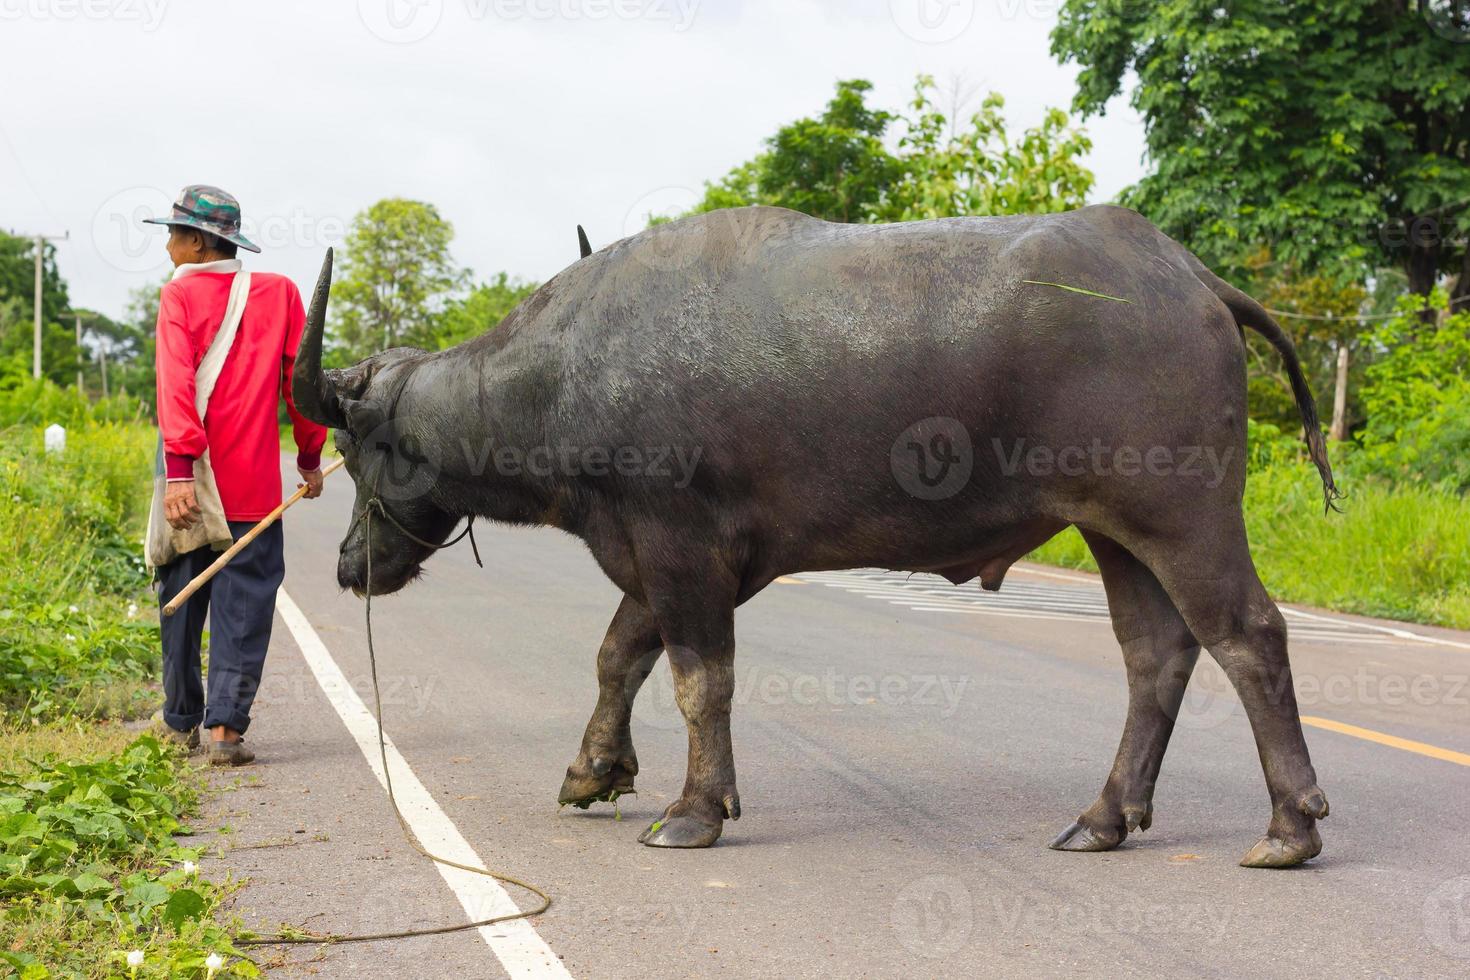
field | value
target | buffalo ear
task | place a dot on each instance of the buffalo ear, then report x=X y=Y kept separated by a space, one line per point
x=369 y=424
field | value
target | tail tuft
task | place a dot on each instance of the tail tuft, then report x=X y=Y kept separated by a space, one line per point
x=1249 y=313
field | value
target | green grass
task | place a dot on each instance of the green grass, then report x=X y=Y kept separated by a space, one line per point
x=90 y=865
x=77 y=631
x=1398 y=552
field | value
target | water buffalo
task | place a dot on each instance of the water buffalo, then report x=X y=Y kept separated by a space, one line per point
x=938 y=396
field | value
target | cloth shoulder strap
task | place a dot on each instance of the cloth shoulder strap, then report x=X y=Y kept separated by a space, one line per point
x=219 y=349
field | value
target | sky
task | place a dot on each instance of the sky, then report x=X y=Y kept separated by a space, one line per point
x=518 y=119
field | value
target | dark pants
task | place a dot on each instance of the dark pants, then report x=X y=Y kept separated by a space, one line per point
x=241 y=602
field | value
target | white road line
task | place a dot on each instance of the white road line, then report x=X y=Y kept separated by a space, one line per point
x=517 y=945
x=917 y=591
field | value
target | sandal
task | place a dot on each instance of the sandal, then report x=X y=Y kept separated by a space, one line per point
x=234 y=753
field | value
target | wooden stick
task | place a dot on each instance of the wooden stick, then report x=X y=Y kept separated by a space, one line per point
x=234 y=549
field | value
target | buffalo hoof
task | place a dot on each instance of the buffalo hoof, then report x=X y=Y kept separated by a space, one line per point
x=601 y=782
x=1080 y=837
x=1273 y=852
x=681 y=832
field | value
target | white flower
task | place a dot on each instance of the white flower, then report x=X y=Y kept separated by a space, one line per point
x=70 y=638
x=135 y=959
x=213 y=962
x=132 y=610
x=190 y=868
x=72 y=609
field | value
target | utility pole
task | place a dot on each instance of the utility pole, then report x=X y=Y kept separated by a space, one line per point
x=102 y=355
x=78 y=317
x=41 y=241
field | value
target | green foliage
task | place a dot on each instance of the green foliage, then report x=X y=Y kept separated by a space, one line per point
x=90 y=869
x=1332 y=129
x=1401 y=552
x=396 y=275
x=481 y=310
x=1417 y=398
x=1397 y=551
x=834 y=166
x=838 y=167
x=89 y=864
x=71 y=631
x=980 y=171
x=17 y=306
x=18 y=277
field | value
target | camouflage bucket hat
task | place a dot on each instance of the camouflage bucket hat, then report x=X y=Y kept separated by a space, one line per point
x=208 y=209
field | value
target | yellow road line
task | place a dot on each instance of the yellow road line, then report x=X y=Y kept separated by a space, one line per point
x=788 y=580
x=1392 y=741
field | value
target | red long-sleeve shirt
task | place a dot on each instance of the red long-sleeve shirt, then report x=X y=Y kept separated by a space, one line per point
x=239 y=427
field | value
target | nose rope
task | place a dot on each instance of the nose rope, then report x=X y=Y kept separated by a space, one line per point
x=376 y=503
x=303 y=937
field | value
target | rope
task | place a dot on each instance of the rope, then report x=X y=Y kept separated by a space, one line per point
x=376 y=503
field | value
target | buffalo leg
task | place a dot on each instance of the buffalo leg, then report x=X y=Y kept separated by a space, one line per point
x=699 y=637
x=606 y=763
x=1209 y=574
x=1159 y=653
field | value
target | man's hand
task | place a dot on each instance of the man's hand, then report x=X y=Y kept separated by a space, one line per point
x=313 y=482
x=180 y=508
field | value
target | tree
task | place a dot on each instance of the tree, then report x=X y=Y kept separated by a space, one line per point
x=481 y=310
x=980 y=171
x=397 y=275
x=1328 y=348
x=838 y=166
x=834 y=166
x=18 y=288
x=1333 y=131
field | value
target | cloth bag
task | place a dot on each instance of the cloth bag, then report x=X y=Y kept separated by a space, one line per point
x=165 y=543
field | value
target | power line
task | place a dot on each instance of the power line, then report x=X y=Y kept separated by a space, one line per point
x=1333 y=318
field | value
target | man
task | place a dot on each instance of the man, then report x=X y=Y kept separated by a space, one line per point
x=240 y=431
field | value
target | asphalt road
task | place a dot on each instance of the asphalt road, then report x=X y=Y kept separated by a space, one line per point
x=905 y=751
